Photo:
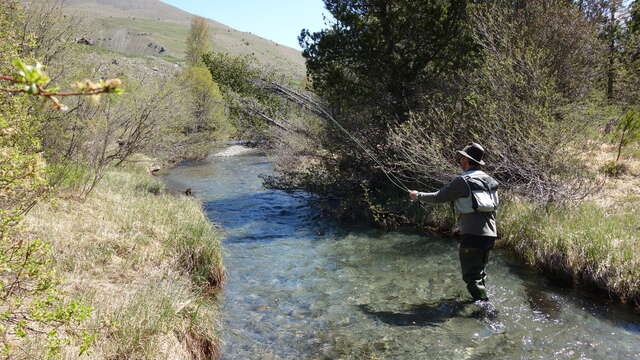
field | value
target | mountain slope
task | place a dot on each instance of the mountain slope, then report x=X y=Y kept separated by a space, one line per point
x=151 y=27
x=152 y=9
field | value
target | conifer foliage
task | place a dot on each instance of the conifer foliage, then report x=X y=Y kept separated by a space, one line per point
x=387 y=54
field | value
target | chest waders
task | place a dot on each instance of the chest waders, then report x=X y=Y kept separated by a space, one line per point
x=472 y=263
x=474 y=249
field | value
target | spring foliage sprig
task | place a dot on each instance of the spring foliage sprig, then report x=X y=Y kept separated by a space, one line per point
x=32 y=80
x=33 y=305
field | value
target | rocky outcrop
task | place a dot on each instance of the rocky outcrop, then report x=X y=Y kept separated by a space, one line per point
x=159 y=48
x=85 y=41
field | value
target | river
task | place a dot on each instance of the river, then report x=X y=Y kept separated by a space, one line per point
x=301 y=286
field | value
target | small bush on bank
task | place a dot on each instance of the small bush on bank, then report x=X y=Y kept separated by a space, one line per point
x=614 y=169
x=628 y=130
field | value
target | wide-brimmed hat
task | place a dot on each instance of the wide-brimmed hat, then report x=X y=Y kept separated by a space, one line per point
x=473 y=151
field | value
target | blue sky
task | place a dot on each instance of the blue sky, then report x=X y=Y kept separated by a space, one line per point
x=277 y=20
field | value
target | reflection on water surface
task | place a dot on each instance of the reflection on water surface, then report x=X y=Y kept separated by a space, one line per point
x=302 y=287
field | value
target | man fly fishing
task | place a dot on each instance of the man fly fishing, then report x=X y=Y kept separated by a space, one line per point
x=475 y=198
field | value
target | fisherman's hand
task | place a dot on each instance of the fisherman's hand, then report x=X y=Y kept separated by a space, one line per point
x=413 y=194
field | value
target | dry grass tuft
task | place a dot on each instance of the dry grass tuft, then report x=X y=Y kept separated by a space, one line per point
x=617 y=188
x=149 y=264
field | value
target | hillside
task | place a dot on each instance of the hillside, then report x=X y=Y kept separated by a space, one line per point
x=151 y=27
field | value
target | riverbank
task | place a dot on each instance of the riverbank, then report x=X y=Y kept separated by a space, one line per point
x=591 y=243
x=587 y=245
x=355 y=292
x=148 y=264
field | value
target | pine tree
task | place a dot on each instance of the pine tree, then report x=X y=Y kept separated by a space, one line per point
x=387 y=54
x=634 y=20
x=630 y=78
x=613 y=35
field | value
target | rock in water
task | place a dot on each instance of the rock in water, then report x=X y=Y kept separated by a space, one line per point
x=235 y=150
x=154 y=169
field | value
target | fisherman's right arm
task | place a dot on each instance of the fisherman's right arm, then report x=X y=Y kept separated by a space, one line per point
x=454 y=190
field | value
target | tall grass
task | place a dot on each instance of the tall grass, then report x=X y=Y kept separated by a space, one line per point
x=149 y=264
x=592 y=244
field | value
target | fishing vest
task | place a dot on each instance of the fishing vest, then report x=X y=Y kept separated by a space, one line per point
x=483 y=193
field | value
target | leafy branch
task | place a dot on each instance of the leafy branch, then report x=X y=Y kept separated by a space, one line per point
x=32 y=302
x=32 y=80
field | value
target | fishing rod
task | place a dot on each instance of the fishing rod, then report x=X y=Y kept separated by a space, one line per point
x=320 y=109
x=392 y=177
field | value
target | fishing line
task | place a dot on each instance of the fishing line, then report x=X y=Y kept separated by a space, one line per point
x=319 y=109
x=397 y=182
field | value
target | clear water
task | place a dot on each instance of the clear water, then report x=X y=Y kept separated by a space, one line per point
x=302 y=287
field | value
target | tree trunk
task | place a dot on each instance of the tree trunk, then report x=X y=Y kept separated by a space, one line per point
x=612 y=52
x=620 y=144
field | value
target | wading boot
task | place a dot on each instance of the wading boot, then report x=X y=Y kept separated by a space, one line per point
x=477 y=290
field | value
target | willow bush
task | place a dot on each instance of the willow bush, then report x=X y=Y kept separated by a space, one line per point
x=517 y=104
x=32 y=305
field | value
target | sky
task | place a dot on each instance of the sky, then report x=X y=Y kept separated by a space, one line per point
x=277 y=20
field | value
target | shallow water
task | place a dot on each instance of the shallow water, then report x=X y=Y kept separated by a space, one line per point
x=302 y=287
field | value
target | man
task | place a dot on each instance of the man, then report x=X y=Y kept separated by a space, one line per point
x=474 y=194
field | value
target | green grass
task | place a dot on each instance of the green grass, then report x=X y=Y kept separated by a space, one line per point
x=171 y=59
x=169 y=27
x=592 y=244
x=633 y=152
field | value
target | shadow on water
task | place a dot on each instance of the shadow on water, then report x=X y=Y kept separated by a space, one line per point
x=538 y=291
x=541 y=302
x=432 y=314
x=266 y=216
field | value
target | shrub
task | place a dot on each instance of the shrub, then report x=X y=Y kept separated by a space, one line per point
x=515 y=104
x=33 y=306
x=628 y=130
x=614 y=168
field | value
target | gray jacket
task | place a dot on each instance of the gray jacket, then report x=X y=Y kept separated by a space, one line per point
x=482 y=224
